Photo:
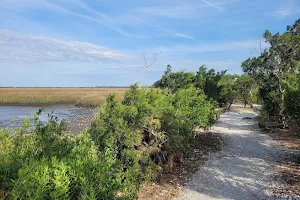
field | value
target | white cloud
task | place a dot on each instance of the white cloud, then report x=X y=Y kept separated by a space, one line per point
x=172 y=33
x=286 y=8
x=184 y=36
x=209 y=47
x=213 y=5
x=285 y=12
x=185 y=10
x=172 y=11
x=96 y=17
x=15 y=47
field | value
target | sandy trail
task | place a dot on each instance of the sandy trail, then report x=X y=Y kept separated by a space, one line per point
x=241 y=170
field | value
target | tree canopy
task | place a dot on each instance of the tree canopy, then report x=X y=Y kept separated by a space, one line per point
x=273 y=69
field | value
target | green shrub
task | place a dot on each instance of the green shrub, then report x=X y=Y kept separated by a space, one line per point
x=42 y=179
x=190 y=109
x=15 y=151
x=131 y=131
x=292 y=98
x=68 y=168
x=113 y=158
x=148 y=121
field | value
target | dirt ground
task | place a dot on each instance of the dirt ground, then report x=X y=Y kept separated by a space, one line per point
x=168 y=185
x=288 y=169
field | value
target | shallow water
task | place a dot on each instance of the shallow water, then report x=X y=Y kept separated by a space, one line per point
x=19 y=113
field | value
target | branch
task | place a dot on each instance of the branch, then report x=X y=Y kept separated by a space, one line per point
x=145 y=60
x=260 y=48
x=155 y=57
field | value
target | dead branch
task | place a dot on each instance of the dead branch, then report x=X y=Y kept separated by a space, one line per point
x=146 y=65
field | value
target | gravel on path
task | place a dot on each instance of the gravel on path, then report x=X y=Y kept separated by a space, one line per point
x=243 y=169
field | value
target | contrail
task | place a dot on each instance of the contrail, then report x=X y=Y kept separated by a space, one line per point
x=184 y=36
x=172 y=33
x=212 y=5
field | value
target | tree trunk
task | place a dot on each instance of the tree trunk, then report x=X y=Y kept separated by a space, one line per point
x=171 y=161
x=281 y=106
x=180 y=156
x=140 y=78
x=227 y=106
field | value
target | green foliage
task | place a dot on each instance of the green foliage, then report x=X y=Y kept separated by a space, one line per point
x=209 y=82
x=175 y=80
x=247 y=89
x=122 y=130
x=273 y=68
x=43 y=164
x=147 y=121
x=292 y=97
x=118 y=153
x=181 y=119
x=217 y=86
x=228 y=89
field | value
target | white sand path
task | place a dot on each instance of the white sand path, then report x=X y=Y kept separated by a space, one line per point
x=242 y=170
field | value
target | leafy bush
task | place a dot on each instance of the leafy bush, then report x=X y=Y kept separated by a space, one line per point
x=292 y=100
x=217 y=86
x=118 y=153
x=292 y=97
x=210 y=82
x=175 y=80
x=43 y=164
x=247 y=90
x=190 y=109
x=82 y=174
x=148 y=121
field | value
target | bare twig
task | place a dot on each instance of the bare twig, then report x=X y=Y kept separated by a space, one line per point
x=146 y=65
x=261 y=51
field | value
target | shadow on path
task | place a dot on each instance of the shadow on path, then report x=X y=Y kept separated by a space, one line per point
x=242 y=170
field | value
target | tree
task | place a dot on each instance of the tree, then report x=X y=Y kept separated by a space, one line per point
x=175 y=80
x=292 y=96
x=246 y=89
x=272 y=68
x=228 y=89
x=208 y=81
x=200 y=78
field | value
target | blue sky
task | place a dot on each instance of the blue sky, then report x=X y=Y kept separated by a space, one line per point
x=101 y=42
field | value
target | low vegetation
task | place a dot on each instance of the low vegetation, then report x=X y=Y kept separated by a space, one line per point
x=47 y=96
x=129 y=143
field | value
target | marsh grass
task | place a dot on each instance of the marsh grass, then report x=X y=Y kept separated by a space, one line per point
x=48 y=96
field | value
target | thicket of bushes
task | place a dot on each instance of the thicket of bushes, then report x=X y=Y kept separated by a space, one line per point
x=276 y=71
x=127 y=144
x=292 y=98
x=44 y=164
x=217 y=86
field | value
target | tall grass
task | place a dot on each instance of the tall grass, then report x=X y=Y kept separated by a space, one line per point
x=48 y=96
